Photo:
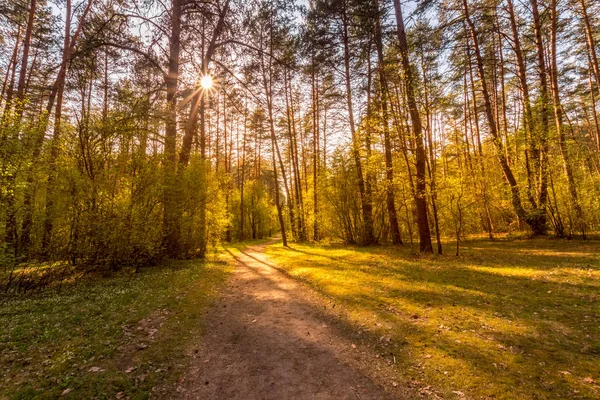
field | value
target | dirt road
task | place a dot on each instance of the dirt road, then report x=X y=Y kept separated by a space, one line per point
x=264 y=340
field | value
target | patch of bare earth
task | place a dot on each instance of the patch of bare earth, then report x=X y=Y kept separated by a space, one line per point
x=266 y=339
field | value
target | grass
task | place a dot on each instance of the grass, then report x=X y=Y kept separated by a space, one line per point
x=505 y=320
x=124 y=336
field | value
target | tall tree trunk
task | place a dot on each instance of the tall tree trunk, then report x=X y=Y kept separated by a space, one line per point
x=508 y=173
x=558 y=118
x=9 y=140
x=594 y=113
x=243 y=177
x=10 y=67
x=369 y=178
x=10 y=91
x=589 y=35
x=25 y=57
x=288 y=193
x=48 y=220
x=274 y=155
x=171 y=228
x=390 y=192
x=425 y=245
x=368 y=235
x=267 y=78
x=431 y=163
x=532 y=152
x=484 y=185
x=276 y=177
x=502 y=97
x=315 y=127
x=293 y=147
x=56 y=94
x=539 y=215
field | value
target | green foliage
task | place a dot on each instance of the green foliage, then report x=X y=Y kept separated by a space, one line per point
x=105 y=197
x=342 y=215
x=260 y=213
x=202 y=189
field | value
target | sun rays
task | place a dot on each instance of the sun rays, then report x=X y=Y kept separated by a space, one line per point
x=206 y=82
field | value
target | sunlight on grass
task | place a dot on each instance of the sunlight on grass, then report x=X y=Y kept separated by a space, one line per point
x=504 y=320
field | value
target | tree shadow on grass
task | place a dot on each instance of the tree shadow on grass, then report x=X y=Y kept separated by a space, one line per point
x=539 y=253
x=526 y=327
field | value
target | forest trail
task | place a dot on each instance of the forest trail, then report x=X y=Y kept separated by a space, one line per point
x=264 y=340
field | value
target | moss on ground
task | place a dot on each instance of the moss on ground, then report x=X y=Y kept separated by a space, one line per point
x=505 y=320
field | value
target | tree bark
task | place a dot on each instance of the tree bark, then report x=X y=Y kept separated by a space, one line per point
x=315 y=128
x=171 y=228
x=48 y=220
x=532 y=152
x=558 y=118
x=293 y=147
x=56 y=94
x=508 y=173
x=368 y=235
x=267 y=78
x=425 y=245
x=591 y=42
x=25 y=57
x=538 y=217
x=11 y=233
x=192 y=122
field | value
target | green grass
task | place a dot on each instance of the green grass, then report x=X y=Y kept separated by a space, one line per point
x=505 y=320
x=121 y=336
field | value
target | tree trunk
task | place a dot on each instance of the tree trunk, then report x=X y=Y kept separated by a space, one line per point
x=425 y=245
x=171 y=220
x=11 y=233
x=10 y=67
x=533 y=222
x=368 y=236
x=431 y=162
x=594 y=113
x=558 y=118
x=243 y=177
x=484 y=185
x=315 y=127
x=538 y=217
x=48 y=221
x=267 y=78
x=532 y=152
x=25 y=57
x=10 y=91
x=56 y=94
x=293 y=147
x=591 y=42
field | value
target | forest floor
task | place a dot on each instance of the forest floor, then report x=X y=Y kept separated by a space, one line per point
x=120 y=336
x=268 y=338
x=507 y=319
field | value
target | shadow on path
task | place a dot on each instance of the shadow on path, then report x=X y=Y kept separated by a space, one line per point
x=265 y=341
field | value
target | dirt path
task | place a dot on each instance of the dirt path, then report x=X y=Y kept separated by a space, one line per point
x=265 y=341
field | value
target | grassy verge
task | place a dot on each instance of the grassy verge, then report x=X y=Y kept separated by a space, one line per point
x=505 y=320
x=125 y=336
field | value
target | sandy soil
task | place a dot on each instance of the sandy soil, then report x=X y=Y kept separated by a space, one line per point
x=266 y=340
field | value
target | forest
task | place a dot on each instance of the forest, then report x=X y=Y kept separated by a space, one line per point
x=146 y=133
x=136 y=131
